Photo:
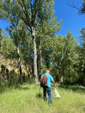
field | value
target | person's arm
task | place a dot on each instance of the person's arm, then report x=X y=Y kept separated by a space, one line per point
x=54 y=83
x=41 y=77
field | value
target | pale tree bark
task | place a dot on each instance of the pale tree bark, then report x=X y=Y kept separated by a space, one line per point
x=41 y=59
x=62 y=77
x=27 y=71
x=41 y=62
x=35 y=56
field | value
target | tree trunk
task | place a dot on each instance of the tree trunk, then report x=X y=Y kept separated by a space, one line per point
x=35 y=56
x=41 y=62
x=57 y=72
x=19 y=62
x=27 y=71
x=41 y=68
x=62 y=77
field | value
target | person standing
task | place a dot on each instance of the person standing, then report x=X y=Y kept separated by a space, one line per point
x=48 y=87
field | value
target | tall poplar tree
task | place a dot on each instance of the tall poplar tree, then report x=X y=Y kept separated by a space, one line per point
x=70 y=57
x=47 y=27
x=58 y=44
x=15 y=31
x=25 y=10
x=82 y=49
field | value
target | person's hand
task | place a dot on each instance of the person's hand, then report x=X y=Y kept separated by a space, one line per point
x=54 y=83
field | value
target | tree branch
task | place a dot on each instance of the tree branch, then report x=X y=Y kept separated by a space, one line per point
x=26 y=13
x=24 y=10
x=24 y=21
x=34 y=16
x=73 y=6
x=31 y=12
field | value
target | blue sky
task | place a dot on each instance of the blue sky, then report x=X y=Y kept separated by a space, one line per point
x=69 y=15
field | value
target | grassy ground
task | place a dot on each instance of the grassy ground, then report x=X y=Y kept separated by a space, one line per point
x=27 y=99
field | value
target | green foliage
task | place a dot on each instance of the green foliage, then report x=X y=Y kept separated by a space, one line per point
x=8 y=80
x=64 y=57
x=0 y=39
x=82 y=36
x=7 y=46
x=81 y=79
x=13 y=78
x=70 y=56
x=83 y=7
x=47 y=27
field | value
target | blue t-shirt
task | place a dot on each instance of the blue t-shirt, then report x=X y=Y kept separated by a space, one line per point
x=49 y=79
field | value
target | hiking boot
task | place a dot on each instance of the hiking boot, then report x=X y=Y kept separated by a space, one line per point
x=45 y=99
x=49 y=104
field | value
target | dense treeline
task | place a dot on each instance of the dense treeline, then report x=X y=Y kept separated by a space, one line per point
x=33 y=43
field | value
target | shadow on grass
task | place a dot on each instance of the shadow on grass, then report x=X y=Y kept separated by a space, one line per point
x=39 y=95
x=74 y=87
x=22 y=88
x=17 y=86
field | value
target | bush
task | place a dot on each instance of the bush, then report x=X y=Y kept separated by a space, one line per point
x=81 y=79
x=31 y=80
x=13 y=78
